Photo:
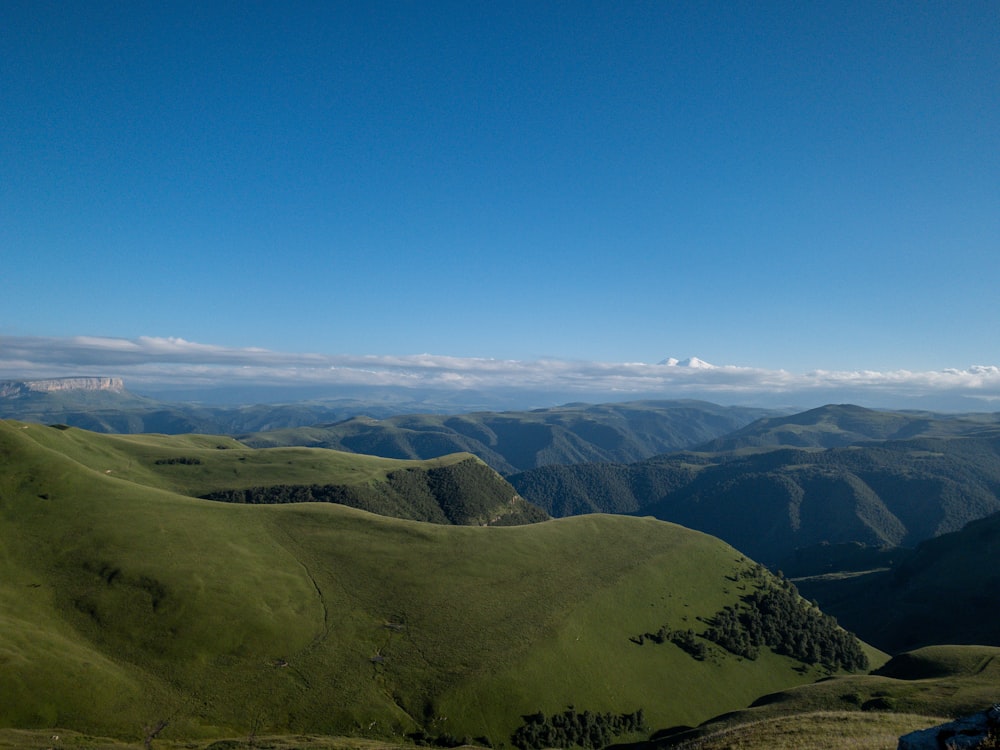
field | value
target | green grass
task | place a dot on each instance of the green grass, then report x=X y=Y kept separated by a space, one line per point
x=923 y=686
x=124 y=603
x=223 y=462
x=817 y=731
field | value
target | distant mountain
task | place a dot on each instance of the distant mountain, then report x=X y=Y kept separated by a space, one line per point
x=106 y=405
x=945 y=591
x=692 y=362
x=769 y=504
x=14 y=389
x=845 y=424
x=517 y=440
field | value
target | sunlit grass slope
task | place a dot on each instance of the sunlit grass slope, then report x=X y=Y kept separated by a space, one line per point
x=222 y=462
x=457 y=488
x=124 y=604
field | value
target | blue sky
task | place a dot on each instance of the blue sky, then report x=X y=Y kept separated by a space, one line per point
x=781 y=185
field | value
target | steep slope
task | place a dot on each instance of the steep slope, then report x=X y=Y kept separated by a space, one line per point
x=944 y=592
x=769 y=504
x=123 y=606
x=516 y=441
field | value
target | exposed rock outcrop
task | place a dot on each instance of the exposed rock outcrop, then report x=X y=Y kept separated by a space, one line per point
x=966 y=733
x=17 y=388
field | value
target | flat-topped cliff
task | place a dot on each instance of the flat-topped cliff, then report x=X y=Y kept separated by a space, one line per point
x=15 y=388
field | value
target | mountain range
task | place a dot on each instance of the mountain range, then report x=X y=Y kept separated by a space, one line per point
x=771 y=501
x=509 y=441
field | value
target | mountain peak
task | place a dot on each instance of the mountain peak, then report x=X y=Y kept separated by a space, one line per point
x=692 y=362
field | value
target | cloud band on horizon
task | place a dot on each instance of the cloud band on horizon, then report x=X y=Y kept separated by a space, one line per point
x=153 y=363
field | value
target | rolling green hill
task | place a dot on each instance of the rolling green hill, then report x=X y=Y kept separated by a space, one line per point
x=126 y=604
x=519 y=440
x=458 y=488
x=771 y=503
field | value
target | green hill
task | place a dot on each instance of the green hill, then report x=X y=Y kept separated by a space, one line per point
x=452 y=489
x=125 y=604
x=514 y=441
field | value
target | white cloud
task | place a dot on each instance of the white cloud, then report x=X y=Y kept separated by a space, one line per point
x=150 y=363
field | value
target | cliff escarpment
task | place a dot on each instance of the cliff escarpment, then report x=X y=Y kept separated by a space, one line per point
x=18 y=388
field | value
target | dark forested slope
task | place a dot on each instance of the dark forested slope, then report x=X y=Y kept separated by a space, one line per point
x=768 y=504
x=944 y=591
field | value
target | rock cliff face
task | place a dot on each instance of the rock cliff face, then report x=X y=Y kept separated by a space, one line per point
x=17 y=388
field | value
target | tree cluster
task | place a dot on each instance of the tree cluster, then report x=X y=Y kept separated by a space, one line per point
x=587 y=729
x=178 y=460
x=468 y=492
x=289 y=493
x=423 y=739
x=684 y=639
x=777 y=617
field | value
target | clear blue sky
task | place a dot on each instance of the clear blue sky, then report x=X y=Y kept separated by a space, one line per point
x=771 y=184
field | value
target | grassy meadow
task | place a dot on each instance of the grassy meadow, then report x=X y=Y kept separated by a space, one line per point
x=125 y=604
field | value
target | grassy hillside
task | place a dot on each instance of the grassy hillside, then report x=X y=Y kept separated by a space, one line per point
x=452 y=489
x=912 y=691
x=769 y=504
x=518 y=440
x=125 y=605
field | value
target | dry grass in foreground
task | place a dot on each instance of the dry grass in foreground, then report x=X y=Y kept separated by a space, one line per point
x=821 y=730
